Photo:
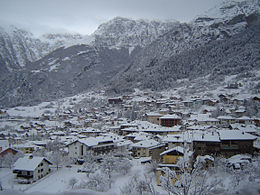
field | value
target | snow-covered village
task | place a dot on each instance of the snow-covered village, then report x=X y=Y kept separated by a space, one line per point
x=129 y=97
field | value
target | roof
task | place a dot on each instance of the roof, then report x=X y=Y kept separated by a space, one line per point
x=178 y=149
x=173 y=116
x=206 y=136
x=29 y=164
x=153 y=114
x=226 y=118
x=202 y=118
x=93 y=141
x=235 y=135
x=146 y=143
x=178 y=138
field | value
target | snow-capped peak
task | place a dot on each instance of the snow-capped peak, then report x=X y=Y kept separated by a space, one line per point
x=124 y=32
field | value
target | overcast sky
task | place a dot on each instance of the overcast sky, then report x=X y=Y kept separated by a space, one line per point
x=84 y=16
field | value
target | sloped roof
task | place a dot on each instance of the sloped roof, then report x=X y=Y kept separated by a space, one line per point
x=29 y=164
x=178 y=149
x=146 y=143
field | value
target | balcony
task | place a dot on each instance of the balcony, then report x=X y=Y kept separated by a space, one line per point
x=24 y=176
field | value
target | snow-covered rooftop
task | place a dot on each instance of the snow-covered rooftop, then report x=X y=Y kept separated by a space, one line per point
x=170 y=116
x=235 y=135
x=178 y=149
x=146 y=143
x=206 y=136
x=28 y=164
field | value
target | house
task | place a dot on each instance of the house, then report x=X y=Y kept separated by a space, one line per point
x=170 y=120
x=143 y=148
x=226 y=120
x=128 y=128
x=126 y=131
x=172 y=155
x=187 y=103
x=98 y=145
x=29 y=149
x=170 y=158
x=172 y=141
x=203 y=119
x=223 y=98
x=163 y=130
x=257 y=122
x=8 y=151
x=138 y=136
x=206 y=161
x=91 y=132
x=235 y=142
x=209 y=102
x=116 y=100
x=31 y=168
x=245 y=120
x=238 y=101
x=206 y=143
x=153 y=117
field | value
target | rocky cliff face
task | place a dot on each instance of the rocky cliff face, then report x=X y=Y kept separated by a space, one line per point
x=123 y=32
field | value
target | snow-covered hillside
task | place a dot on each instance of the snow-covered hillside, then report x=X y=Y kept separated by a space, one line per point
x=207 y=45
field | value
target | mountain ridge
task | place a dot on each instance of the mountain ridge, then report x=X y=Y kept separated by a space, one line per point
x=127 y=54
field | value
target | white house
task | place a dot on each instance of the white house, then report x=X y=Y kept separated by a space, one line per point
x=31 y=168
x=98 y=145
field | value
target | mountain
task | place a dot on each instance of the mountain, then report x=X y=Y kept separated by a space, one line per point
x=66 y=64
x=208 y=45
x=18 y=47
x=123 y=32
x=63 y=72
x=124 y=54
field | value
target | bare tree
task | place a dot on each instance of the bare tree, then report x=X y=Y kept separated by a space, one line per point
x=99 y=181
x=57 y=158
x=139 y=184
